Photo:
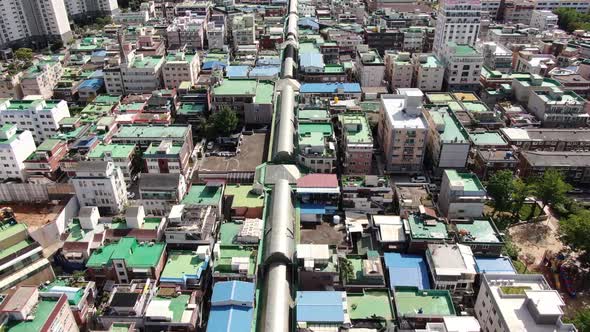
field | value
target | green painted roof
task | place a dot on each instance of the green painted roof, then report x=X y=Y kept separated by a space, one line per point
x=420 y=231
x=314 y=133
x=243 y=197
x=470 y=181
x=116 y=150
x=359 y=132
x=178 y=305
x=191 y=108
x=153 y=150
x=222 y=263
x=410 y=301
x=487 y=138
x=181 y=263
x=369 y=303
x=228 y=232
x=7 y=230
x=72 y=300
x=129 y=250
x=463 y=49
x=15 y=247
x=453 y=130
x=203 y=195
x=262 y=91
x=481 y=230
x=107 y=100
x=313 y=114
x=147 y=62
x=42 y=311
x=152 y=132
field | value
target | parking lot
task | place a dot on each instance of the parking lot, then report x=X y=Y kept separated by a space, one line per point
x=253 y=151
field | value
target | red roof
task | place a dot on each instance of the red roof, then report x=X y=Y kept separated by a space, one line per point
x=318 y=181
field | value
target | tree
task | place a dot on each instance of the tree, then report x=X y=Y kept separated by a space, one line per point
x=570 y=19
x=57 y=46
x=551 y=189
x=501 y=187
x=521 y=190
x=575 y=230
x=24 y=54
x=346 y=269
x=581 y=320
x=224 y=121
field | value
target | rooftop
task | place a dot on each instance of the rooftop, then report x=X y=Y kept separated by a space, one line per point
x=116 y=151
x=462 y=49
x=42 y=311
x=368 y=304
x=406 y=270
x=421 y=231
x=176 y=305
x=565 y=159
x=203 y=195
x=452 y=130
x=182 y=264
x=320 y=306
x=261 y=90
x=147 y=62
x=147 y=132
x=314 y=133
x=7 y=230
x=479 y=231
x=243 y=196
x=224 y=262
x=487 y=138
x=469 y=181
x=413 y=302
x=333 y=88
x=494 y=265
x=357 y=128
x=128 y=249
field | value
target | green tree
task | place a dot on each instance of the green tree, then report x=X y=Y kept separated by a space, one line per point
x=581 y=320
x=346 y=269
x=24 y=54
x=501 y=187
x=570 y=19
x=575 y=230
x=551 y=188
x=224 y=121
x=521 y=190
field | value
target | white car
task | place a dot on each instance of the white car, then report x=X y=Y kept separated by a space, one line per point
x=418 y=179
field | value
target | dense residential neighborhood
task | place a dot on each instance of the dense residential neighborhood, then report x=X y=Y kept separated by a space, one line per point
x=295 y=165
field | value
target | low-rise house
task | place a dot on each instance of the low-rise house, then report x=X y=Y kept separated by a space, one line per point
x=344 y=91
x=100 y=183
x=232 y=306
x=366 y=194
x=235 y=251
x=25 y=310
x=167 y=157
x=121 y=155
x=546 y=139
x=317 y=147
x=426 y=229
x=416 y=308
x=243 y=201
x=80 y=294
x=487 y=162
x=494 y=265
x=452 y=267
x=181 y=67
x=480 y=234
x=556 y=108
x=160 y=192
x=413 y=198
x=125 y=260
x=187 y=269
x=461 y=195
x=448 y=144
x=321 y=309
x=574 y=165
x=251 y=99
x=367 y=272
x=390 y=232
x=406 y=270
x=319 y=195
x=318 y=266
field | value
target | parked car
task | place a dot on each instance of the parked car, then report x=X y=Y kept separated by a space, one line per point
x=418 y=179
x=210 y=145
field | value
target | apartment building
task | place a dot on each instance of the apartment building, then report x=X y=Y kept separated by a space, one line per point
x=78 y=9
x=403 y=131
x=448 y=143
x=556 y=108
x=101 y=184
x=36 y=22
x=167 y=157
x=181 y=67
x=496 y=57
x=534 y=63
x=546 y=139
x=462 y=66
x=457 y=22
x=23 y=262
x=26 y=309
x=243 y=29
x=490 y=9
x=43 y=165
x=15 y=147
x=543 y=20
x=399 y=70
x=160 y=192
x=452 y=267
x=137 y=74
x=216 y=35
x=519 y=302
x=40 y=117
x=461 y=195
x=579 y=5
x=144 y=136
x=251 y=99
x=356 y=143
x=121 y=155
x=518 y=11
x=317 y=146
x=41 y=78
x=366 y=194
x=573 y=164
x=371 y=68
x=125 y=260
x=186 y=31
x=343 y=91
x=428 y=73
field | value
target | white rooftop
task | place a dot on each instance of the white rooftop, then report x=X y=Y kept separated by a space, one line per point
x=400 y=116
x=313 y=251
x=515 y=133
x=452 y=259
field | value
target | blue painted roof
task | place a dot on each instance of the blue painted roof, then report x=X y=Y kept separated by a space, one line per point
x=94 y=83
x=320 y=307
x=406 y=270
x=311 y=60
x=265 y=71
x=330 y=87
x=232 y=291
x=237 y=71
x=309 y=22
x=230 y=319
x=274 y=61
x=313 y=209
x=213 y=64
x=99 y=53
x=494 y=265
